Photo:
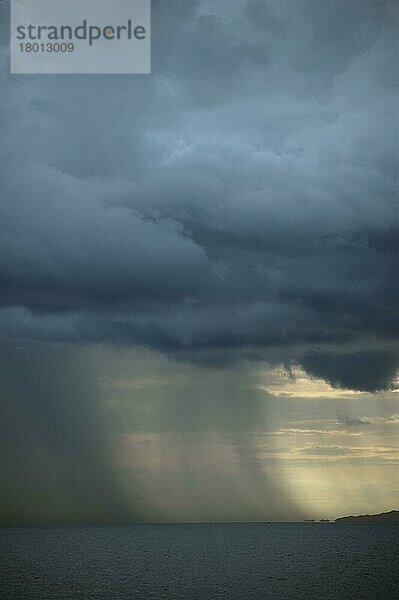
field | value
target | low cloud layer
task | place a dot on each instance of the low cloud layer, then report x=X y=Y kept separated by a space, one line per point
x=241 y=199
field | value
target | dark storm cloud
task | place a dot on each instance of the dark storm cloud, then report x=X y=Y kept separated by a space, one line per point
x=365 y=371
x=243 y=196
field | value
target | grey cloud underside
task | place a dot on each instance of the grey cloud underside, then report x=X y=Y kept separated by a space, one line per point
x=241 y=198
x=366 y=371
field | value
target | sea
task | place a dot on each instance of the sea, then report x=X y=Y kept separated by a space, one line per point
x=280 y=561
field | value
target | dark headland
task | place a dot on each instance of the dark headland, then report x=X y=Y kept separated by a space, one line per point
x=391 y=517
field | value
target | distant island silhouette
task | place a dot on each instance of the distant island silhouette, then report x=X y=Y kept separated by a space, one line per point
x=391 y=517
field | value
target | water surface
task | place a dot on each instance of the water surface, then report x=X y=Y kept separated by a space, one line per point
x=205 y=561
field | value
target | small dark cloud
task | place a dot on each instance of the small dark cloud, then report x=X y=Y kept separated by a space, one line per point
x=352 y=421
x=325 y=451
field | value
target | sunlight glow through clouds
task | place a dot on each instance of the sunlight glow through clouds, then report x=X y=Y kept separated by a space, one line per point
x=192 y=456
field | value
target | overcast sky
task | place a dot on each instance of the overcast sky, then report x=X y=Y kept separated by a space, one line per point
x=198 y=271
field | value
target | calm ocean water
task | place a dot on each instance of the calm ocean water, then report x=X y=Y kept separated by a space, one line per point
x=208 y=561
